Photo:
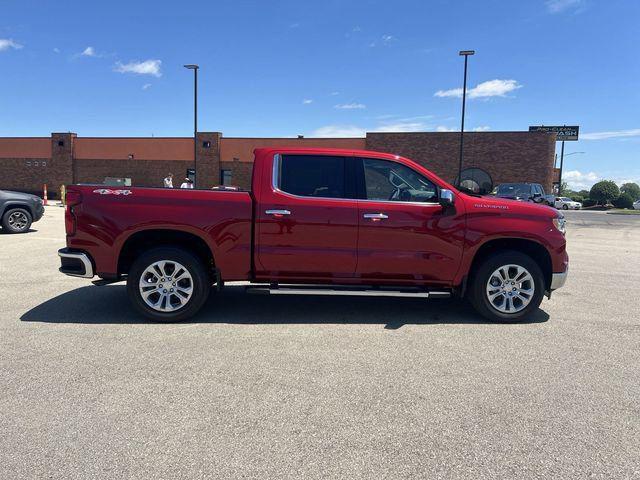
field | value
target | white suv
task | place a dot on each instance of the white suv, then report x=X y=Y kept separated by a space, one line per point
x=565 y=203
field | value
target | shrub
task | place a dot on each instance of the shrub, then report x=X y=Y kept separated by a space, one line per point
x=584 y=193
x=577 y=198
x=589 y=202
x=604 y=192
x=624 y=201
x=631 y=189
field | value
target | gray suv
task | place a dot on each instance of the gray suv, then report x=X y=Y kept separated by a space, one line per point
x=19 y=210
x=526 y=192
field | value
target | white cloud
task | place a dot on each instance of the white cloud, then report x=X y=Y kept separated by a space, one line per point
x=482 y=128
x=388 y=38
x=56 y=50
x=558 y=6
x=294 y=25
x=576 y=180
x=146 y=86
x=307 y=101
x=442 y=128
x=356 y=29
x=333 y=94
x=350 y=106
x=634 y=132
x=339 y=131
x=147 y=67
x=402 y=127
x=490 y=88
x=7 y=43
x=89 y=52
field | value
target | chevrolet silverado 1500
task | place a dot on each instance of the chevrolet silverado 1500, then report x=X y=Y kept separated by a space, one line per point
x=317 y=221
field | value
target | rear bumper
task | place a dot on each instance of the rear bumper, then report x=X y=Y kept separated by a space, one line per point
x=558 y=279
x=75 y=263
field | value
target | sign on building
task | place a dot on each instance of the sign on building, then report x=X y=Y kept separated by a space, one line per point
x=563 y=133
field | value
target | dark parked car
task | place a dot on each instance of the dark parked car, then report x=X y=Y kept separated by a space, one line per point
x=19 y=210
x=526 y=192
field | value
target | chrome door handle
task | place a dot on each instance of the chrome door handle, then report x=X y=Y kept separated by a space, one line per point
x=375 y=216
x=278 y=213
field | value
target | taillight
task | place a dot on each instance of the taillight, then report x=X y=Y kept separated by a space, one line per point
x=71 y=200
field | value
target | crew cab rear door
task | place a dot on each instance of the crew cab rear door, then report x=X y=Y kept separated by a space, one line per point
x=405 y=234
x=307 y=219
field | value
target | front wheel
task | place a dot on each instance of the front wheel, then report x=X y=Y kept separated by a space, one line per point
x=507 y=287
x=16 y=220
x=168 y=284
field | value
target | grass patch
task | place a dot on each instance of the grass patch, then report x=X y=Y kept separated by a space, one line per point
x=624 y=212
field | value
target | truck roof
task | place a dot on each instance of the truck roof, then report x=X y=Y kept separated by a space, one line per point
x=333 y=151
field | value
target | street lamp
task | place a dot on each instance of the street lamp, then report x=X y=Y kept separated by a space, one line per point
x=561 y=166
x=465 y=54
x=194 y=67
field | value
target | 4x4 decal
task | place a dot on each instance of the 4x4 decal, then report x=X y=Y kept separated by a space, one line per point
x=108 y=191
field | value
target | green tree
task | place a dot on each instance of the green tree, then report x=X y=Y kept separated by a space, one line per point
x=563 y=189
x=605 y=191
x=631 y=189
x=584 y=193
x=624 y=201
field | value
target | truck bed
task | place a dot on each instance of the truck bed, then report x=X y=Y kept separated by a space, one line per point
x=108 y=217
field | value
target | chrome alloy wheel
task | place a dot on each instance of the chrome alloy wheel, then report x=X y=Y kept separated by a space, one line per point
x=510 y=288
x=166 y=286
x=18 y=220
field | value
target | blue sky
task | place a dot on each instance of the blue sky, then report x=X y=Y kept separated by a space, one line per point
x=281 y=68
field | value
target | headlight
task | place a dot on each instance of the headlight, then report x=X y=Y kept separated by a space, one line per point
x=560 y=224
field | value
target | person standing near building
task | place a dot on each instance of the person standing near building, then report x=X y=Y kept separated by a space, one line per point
x=168 y=181
x=188 y=183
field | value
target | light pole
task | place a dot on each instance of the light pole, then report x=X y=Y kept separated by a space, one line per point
x=562 y=155
x=194 y=67
x=465 y=54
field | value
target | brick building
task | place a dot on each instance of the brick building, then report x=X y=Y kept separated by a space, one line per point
x=64 y=158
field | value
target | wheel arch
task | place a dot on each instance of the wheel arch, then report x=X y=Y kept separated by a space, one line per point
x=16 y=204
x=537 y=251
x=143 y=240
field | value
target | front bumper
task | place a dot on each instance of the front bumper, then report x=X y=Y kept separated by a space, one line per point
x=75 y=263
x=39 y=212
x=558 y=279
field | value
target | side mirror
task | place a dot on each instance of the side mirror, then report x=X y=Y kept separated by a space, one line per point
x=446 y=197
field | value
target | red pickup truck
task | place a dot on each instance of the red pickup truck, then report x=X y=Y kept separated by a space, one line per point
x=317 y=221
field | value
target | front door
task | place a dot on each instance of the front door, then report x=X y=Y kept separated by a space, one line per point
x=308 y=220
x=405 y=235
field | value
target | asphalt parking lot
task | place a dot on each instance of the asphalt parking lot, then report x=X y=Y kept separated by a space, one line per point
x=317 y=387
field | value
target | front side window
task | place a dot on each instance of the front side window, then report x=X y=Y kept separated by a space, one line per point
x=320 y=176
x=391 y=181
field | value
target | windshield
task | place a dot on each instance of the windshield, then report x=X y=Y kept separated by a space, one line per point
x=566 y=199
x=513 y=189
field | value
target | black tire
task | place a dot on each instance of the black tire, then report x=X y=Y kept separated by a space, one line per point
x=477 y=292
x=16 y=220
x=200 y=284
x=565 y=207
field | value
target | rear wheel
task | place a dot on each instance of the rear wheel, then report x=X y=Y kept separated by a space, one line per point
x=16 y=220
x=507 y=287
x=168 y=284
x=565 y=207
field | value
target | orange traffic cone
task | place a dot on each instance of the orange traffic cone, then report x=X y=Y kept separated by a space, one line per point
x=44 y=196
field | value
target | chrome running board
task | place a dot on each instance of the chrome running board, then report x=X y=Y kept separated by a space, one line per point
x=347 y=290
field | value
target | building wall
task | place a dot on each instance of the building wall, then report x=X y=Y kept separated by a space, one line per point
x=506 y=156
x=143 y=173
x=27 y=163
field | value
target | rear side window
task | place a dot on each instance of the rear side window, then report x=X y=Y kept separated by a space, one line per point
x=320 y=176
